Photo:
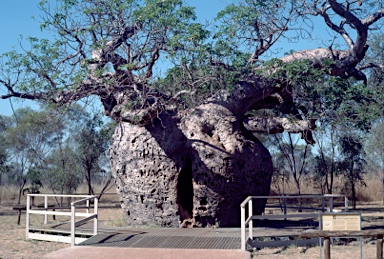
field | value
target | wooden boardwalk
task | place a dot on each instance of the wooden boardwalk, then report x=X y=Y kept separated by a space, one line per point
x=185 y=238
x=269 y=233
x=179 y=238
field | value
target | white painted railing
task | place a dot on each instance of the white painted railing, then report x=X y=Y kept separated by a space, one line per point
x=248 y=221
x=47 y=210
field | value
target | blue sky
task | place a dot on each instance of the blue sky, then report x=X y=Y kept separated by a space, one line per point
x=16 y=19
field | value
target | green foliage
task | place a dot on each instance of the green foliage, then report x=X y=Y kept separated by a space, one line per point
x=4 y=156
x=64 y=172
x=248 y=24
x=35 y=178
x=375 y=56
x=83 y=26
x=290 y=157
x=331 y=99
x=374 y=146
x=242 y=17
x=44 y=147
x=352 y=167
x=297 y=73
x=91 y=145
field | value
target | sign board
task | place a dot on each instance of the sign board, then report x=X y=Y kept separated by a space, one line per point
x=341 y=221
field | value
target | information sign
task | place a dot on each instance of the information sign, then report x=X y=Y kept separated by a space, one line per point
x=341 y=221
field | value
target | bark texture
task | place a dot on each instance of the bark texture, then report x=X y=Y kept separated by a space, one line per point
x=191 y=169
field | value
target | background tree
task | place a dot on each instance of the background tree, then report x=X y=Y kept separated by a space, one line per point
x=64 y=172
x=295 y=157
x=4 y=156
x=183 y=149
x=28 y=141
x=326 y=159
x=374 y=149
x=34 y=177
x=353 y=164
x=91 y=145
x=292 y=158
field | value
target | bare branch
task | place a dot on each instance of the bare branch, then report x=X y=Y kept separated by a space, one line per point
x=361 y=29
x=276 y=125
x=373 y=18
x=371 y=65
x=339 y=29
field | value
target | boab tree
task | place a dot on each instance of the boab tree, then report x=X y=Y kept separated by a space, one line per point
x=183 y=151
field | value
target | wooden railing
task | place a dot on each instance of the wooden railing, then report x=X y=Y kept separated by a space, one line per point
x=73 y=214
x=248 y=221
x=362 y=233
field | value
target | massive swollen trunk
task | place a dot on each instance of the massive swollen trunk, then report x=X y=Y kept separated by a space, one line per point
x=190 y=169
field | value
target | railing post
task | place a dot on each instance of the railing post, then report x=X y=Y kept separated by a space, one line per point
x=331 y=204
x=27 y=217
x=95 y=221
x=87 y=205
x=346 y=203
x=250 y=214
x=46 y=209
x=322 y=204
x=242 y=215
x=327 y=248
x=285 y=206
x=379 y=246
x=73 y=238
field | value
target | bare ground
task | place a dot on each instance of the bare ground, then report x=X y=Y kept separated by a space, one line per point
x=349 y=251
x=14 y=245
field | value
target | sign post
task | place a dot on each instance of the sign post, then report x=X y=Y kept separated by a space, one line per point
x=340 y=221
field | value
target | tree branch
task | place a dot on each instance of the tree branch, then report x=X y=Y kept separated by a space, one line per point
x=277 y=125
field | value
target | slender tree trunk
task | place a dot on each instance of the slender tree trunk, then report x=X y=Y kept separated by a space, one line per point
x=353 y=189
x=332 y=172
x=382 y=191
x=105 y=187
x=21 y=187
x=89 y=180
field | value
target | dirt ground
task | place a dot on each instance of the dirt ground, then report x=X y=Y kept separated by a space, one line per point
x=14 y=245
x=349 y=251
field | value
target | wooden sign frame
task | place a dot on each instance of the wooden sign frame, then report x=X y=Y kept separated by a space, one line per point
x=340 y=221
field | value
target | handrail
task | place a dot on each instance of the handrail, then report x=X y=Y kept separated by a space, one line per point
x=242 y=205
x=73 y=216
x=88 y=216
x=298 y=196
x=249 y=220
x=61 y=195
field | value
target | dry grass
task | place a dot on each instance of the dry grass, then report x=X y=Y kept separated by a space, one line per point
x=350 y=251
x=9 y=194
x=14 y=245
x=372 y=191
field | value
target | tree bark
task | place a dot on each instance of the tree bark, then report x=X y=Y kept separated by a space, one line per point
x=189 y=169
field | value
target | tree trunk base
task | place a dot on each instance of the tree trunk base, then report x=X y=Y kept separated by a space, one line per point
x=190 y=170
